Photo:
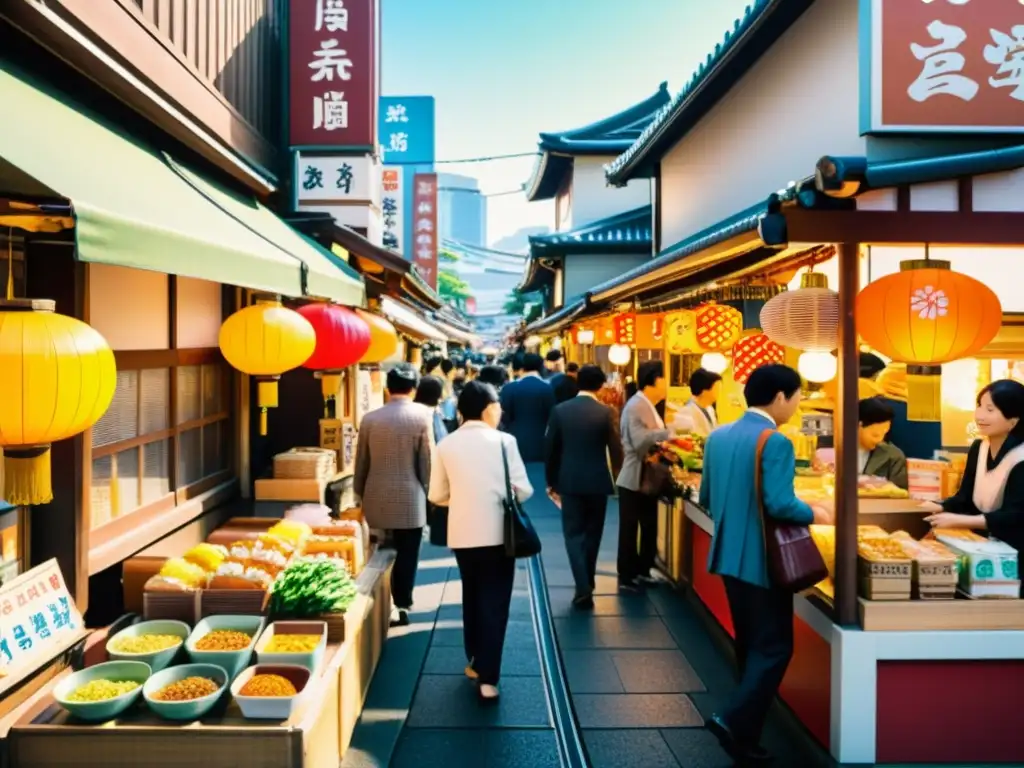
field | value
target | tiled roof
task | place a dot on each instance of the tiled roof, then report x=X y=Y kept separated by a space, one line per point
x=609 y=136
x=628 y=232
x=753 y=24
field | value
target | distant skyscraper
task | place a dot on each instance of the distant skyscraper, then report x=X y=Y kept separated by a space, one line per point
x=461 y=209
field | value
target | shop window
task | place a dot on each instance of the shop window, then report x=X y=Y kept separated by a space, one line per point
x=151 y=447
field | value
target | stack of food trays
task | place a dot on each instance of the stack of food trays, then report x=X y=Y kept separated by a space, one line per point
x=885 y=568
x=934 y=567
x=182 y=675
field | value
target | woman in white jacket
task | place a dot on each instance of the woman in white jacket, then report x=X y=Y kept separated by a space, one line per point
x=468 y=476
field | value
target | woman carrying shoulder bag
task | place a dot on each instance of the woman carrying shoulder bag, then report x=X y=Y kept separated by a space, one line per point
x=469 y=477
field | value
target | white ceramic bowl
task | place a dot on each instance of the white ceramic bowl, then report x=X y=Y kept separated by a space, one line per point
x=271 y=707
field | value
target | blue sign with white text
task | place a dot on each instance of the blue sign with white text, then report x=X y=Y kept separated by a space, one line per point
x=406 y=129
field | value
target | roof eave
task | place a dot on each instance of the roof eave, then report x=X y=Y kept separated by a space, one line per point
x=548 y=176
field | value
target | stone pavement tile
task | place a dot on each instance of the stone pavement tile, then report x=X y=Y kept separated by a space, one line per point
x=629 y=749
x=427 y=748
x=450 y=701
x=519 y=633
x=516 y=661
x=374 y=740
x=694 y=639
x=394 y=682
x=562 y=577
x=519 y=609
x=630 y=710
x=591 y=672
x=613 y=632
x=656 y=672
x=604 y=605
x=696 y=748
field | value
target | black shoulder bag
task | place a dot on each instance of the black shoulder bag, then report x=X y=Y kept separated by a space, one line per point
x=521 y=539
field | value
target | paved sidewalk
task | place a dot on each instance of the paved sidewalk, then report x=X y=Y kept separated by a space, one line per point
x=643 y=671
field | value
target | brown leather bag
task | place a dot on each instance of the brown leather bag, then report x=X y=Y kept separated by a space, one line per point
x=655 y=477
x=794 y=561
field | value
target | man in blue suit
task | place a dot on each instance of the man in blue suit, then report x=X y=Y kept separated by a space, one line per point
x=762 y=614
x=526 y=405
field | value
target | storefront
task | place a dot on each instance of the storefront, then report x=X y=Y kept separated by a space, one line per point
x=867 y=200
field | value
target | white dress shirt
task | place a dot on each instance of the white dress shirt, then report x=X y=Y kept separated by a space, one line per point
x=467 y=476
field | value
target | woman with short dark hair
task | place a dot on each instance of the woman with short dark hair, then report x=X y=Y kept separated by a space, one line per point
x=468 y=475
x=429 y=393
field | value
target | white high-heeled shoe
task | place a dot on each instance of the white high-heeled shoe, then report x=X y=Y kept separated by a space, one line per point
x=488 y=693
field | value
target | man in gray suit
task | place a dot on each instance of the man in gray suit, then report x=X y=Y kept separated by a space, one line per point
x=392 y=475
x=641 y=428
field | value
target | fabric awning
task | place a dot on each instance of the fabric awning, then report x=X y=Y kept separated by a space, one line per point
x=407 y=320
x=134 y=207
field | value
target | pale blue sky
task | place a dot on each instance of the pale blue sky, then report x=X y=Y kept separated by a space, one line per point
x=502 y=71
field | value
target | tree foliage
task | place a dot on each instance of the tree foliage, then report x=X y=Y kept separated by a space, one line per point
x=452 y=288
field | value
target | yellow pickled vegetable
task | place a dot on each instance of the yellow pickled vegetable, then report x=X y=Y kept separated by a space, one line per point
x=207 y=556
x=292 y=531
x=292 y=643
x=146 y=643
x=102 y=690
x=181 y=570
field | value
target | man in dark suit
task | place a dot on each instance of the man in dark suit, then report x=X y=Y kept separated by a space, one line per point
x=564 y=384
x=582 y=436
x=526 y=407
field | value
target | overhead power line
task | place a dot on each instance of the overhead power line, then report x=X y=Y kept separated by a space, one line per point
x=484 y=159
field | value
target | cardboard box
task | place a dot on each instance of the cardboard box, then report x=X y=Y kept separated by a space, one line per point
x=274 y=489
x=330 y=434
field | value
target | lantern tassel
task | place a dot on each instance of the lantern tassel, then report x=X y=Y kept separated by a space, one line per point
x=924 y=393
x=263 y=422
x=266 y=397
x=27 y=479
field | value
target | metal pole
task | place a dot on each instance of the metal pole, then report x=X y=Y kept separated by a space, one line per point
x=845 y=423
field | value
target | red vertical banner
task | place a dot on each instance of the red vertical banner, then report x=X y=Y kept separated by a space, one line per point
x=424 y=227
x=333 y=73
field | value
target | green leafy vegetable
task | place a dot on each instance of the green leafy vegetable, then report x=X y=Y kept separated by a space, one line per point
x=310 y=587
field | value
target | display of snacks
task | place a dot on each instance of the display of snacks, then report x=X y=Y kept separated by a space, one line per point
x=269 y=685
x=223 y=640
x=178 y=575
x=292 y=531
x=102 y=690
x=934 y=569
x=187 y=689
x=206 y=556
x=885 y=569
x=235 y=575
x=870 y=487
x=347 y=548
x=151 y=643
x=292 y=643
x=959 y=534
x=881 y=550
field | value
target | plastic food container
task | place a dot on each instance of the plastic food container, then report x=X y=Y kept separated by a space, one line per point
x=271 y=707
x=157 y=660
x=107 y=709
x=310 y=660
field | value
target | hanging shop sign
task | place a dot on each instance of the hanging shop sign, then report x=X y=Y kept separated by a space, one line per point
x=337 y=179
x=38 y=620
x=406 y=129
x=391 y=205
x=681 y=332
x=624 y=328
x=942 y=65
x=333 y=73
x=424 y=230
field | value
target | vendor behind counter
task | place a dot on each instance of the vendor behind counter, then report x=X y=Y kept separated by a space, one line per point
x=875 y=456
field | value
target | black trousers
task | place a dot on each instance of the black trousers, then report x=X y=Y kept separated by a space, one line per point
x=763 y=620
x=488 y=575
x=406 y=543
x=583 y=526
x=638 y=514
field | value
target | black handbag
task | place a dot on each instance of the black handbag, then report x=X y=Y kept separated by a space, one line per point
x=521 y=539
x=437 y=519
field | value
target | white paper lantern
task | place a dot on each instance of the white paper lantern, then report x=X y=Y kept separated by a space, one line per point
x=807 y=318
x=715 y=362
x=619 y=354
x=818 y=367
x=585 y=336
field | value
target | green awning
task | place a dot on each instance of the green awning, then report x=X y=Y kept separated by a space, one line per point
x=136 y=208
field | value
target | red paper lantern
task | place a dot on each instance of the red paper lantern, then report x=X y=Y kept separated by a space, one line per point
x=751 y=352
x=342 y=337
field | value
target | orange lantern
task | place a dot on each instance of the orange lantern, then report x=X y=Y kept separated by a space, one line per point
x=624 y=328
x=718 y=327
x=926 y=315
x=753 y=351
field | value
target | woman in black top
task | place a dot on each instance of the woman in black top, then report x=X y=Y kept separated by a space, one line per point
x=991 y=494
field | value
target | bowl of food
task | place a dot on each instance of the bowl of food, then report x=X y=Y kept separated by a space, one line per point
x=154 y=642
x=185 y=692
x=270 y=691
x=226 y=641
x=293 y=642
x=103 y=691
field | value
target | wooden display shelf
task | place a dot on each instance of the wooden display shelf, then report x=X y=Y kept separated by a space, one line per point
x=940 y=615
x=45 y=736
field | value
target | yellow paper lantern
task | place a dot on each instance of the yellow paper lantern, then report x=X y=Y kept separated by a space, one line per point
x=681 y=332
x=383 y=338
x=266 y=340
x=58 y=378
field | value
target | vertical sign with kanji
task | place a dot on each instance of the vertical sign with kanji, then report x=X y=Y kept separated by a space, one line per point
x=391 y=207
x=406 y=129
x=949 y=66
x=424 y=227
x=333 y=73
